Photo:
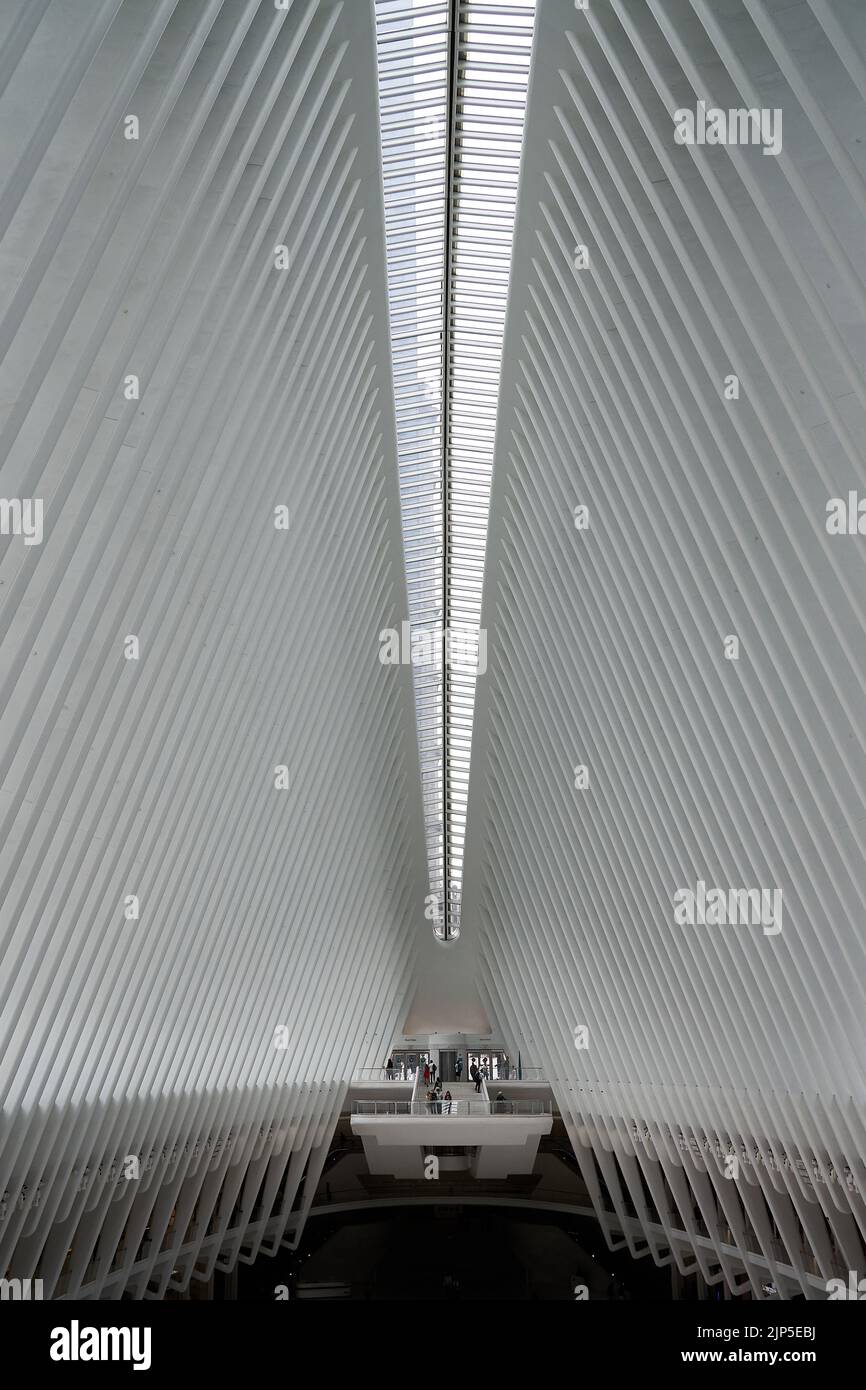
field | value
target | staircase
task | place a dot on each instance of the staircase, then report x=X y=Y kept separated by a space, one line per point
x=501 y=1145
x=463 y=1093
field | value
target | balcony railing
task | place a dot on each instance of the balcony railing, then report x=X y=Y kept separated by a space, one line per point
x=508 y=1072
x=383 y=1074
x=460 y=1109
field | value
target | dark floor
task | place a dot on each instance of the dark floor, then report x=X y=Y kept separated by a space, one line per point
x=452 y=1254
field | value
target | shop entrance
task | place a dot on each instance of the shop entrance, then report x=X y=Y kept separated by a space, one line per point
x=497 y=1064
x=407 y=1063
x=447 y=1059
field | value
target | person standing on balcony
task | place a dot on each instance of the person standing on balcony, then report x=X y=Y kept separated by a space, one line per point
x=389 y=1069
x=458 y=1067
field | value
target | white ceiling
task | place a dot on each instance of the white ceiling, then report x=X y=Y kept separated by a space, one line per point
x=303 y=909
x=259 y=908
x=706 y=520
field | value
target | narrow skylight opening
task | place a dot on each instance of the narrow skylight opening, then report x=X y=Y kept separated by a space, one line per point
x=413 y=50
x=453 y=79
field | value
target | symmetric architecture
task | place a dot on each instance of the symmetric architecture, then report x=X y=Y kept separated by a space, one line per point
x=267 y=332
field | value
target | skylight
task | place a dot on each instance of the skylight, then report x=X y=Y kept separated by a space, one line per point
x=453 y=77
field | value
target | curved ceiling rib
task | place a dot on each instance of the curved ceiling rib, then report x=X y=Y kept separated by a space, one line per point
x=677 y=665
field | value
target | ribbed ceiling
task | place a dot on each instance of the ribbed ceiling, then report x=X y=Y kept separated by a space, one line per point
x=621 y=757
x=212 y=861
x=255 y=397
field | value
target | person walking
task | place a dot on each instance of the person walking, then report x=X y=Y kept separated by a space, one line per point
x=458 y=1067
x=476 y=1077
x=426 y=1074
x=433 y=1072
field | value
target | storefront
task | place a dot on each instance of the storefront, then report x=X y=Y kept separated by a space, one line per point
x=498 y=1066
x=407 y=1063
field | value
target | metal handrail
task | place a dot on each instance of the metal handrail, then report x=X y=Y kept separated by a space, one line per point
x=461 y=1109
x=381 y=1074
x=510 y=1072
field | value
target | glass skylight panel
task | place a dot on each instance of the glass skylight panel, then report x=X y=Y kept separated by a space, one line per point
x=413 y=52
x=453 y=78
x=488 y=107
